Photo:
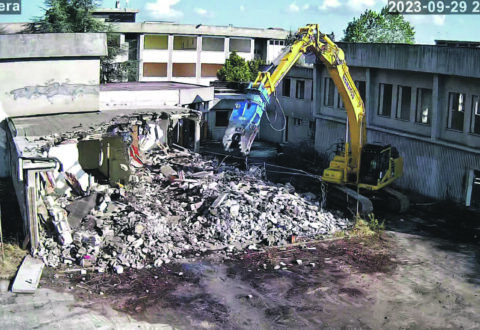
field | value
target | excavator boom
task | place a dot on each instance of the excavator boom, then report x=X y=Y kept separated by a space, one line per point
x=366 y=166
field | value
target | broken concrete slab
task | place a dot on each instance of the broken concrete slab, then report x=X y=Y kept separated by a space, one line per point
x=79 y=208
x=28 y=275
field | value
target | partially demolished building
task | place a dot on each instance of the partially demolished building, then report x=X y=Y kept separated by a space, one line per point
x=107 y=176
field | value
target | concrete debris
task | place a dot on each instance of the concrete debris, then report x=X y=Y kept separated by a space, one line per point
x=179 y=205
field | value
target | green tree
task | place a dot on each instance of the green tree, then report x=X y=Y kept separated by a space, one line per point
x=254 y=66
x=68 y=16
x=382 y=27
x=74 y=16
x=236 y=68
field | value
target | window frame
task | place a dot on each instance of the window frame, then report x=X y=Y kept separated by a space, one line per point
x=475 y=124
x=285 y=82
x=400 y=103
x=328 y=96
x=418 y=107
x=300 y=92
x=381 y=100
x=451 y=110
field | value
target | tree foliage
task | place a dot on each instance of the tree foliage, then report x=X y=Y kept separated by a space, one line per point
x=74 y=16
x=381 y=27
x=236 y=68
x=68 y=16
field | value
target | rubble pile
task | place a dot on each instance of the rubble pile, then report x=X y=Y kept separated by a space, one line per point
x=179 y=204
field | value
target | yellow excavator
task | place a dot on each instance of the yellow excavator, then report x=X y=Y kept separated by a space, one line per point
x=359 y=169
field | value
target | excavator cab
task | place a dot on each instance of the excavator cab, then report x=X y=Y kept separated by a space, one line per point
x=375 y=165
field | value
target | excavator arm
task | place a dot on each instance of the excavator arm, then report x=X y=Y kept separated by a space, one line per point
x=370 y=167
x=245 y=118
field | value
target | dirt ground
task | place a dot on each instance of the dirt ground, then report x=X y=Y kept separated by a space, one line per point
x=399 y=281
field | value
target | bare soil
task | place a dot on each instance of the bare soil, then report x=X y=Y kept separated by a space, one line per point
x=395 y=280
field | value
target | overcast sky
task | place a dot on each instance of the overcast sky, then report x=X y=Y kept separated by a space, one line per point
x=332 y=15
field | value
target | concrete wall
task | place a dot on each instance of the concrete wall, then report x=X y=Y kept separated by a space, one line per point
x=297 y=111
x=49 y=86
x=50 y=73
x=437 y=158
x=421 y=58
x=47 y=73
x=35 y=46
x=4 y=151
x=154 y=98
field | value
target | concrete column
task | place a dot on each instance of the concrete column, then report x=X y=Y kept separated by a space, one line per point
x=369 y=99
x=467 y=115
x=170 y=57
x=436 y=115
x=196 y=147
x=141 y=46
x=198 y=71
x=252 y=48
x=227 y=47
x=413 y=105
x=317 y=95
x=395 y=96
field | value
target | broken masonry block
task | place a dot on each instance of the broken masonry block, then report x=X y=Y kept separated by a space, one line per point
x=168 y=171
x=118 y=269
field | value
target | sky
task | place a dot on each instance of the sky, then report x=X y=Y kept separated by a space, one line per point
x=331 y=15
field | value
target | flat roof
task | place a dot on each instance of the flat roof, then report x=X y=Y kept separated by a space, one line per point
x=200 y=29
x=115 y=10
x=38 y=126
x=148 y=86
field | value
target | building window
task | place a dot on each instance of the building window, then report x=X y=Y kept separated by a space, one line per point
x=475 y=114
x=154 y=69
x=362 y=90
x=297 y=122
x=184 y=43
x=286 y=87
x=184 y=69
x=213 y=44
x=155 y=42
x=221 y=118
x=240 y=45
x=300 y=90
x=456 y=111
x=404 y=99
x=328 y=92
x=385 y=100
x=424 y=106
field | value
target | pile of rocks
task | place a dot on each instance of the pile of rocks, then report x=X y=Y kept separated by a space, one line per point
x=179 y=205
